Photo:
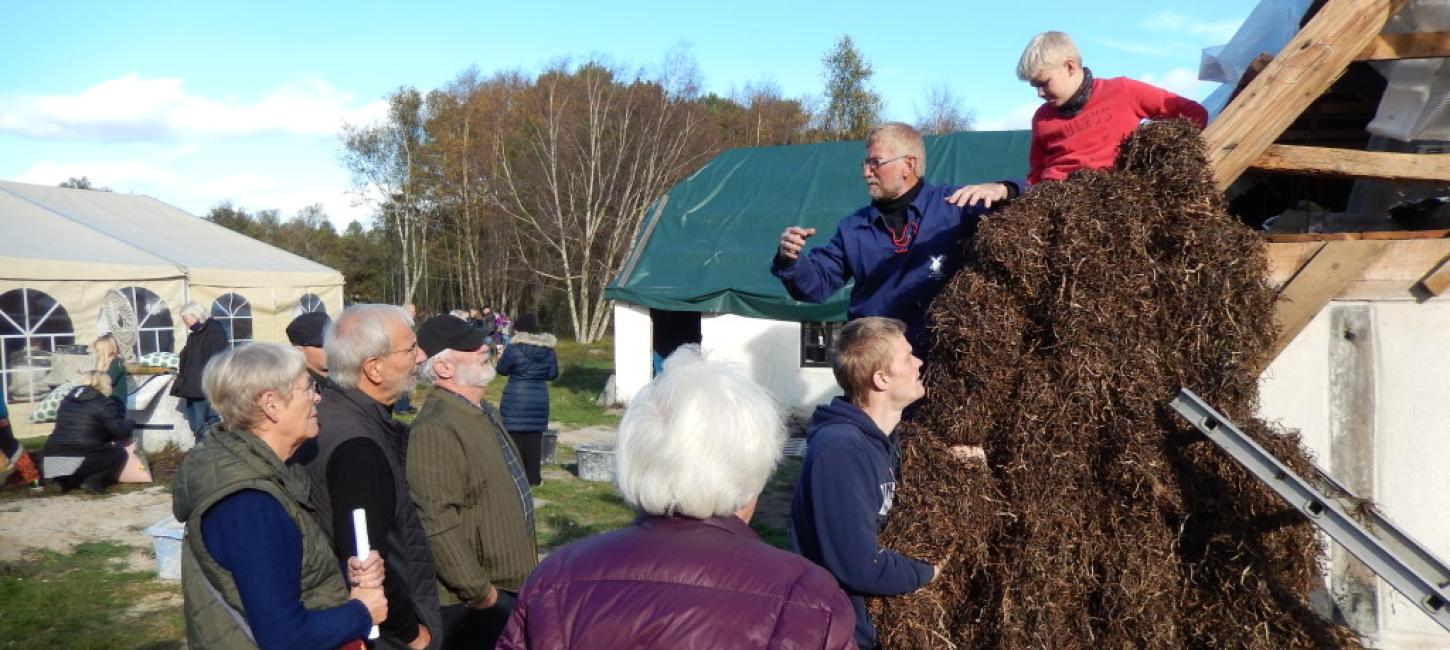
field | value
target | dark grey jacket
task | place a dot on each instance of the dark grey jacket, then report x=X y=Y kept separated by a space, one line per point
x=86 y=422
x=200 y=347
x=346 y=414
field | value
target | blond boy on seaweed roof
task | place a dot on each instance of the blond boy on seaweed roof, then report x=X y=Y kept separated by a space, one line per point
x=1083 y=120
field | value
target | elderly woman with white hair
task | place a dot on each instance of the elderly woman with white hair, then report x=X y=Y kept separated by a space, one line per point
x=207 y=338
x=695 y=449
x=257 y=571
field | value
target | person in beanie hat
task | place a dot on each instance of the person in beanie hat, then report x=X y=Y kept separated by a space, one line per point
x=305 y=334
x=528 y=362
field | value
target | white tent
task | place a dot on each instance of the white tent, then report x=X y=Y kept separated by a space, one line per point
x=63 y=251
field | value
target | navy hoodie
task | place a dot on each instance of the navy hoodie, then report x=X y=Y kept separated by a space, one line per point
x=841 y=502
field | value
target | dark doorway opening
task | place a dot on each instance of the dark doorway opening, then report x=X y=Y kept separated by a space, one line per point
x=671 y=330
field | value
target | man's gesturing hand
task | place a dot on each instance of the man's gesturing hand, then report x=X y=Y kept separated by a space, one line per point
x=793 y=240
x=984 y=193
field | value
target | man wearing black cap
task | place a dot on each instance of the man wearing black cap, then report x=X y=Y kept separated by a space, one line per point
x=305 y=333
x=465 y=475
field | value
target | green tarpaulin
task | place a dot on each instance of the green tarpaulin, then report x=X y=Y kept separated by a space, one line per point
x=707 y=245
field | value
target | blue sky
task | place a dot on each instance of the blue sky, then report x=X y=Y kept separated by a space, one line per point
x=197 y=103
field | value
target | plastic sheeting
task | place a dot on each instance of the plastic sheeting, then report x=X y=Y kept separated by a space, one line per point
x=1416 y=102
x=707 y=246
x=1268 y=28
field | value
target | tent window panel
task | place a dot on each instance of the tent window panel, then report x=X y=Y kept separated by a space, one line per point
x=309 y=303
x=32 y=324
x=155 y=331
x=818 y=343
x=235 y=313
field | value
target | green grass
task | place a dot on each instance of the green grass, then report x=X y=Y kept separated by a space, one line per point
x=571 y=508
x=772 y=510
x=584 y=368
x=88 y=598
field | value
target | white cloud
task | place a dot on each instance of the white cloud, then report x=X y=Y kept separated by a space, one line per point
x=237 y=184
x=1181 y=81
x=1214 y=32
x=1019 y=117
x=133 y=109
x=115 y=175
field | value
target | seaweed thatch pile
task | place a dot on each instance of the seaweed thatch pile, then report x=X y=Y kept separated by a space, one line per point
x=1102 y=520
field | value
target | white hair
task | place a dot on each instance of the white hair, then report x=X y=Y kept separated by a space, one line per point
x=235 y=379
x=426 y=372
x=1044 y=51
x=193 y=309
x=903 y=140
x=459 y=314
x=360 y=332
x=700 y=440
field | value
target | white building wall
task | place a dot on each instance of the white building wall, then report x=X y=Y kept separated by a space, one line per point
x=1382 y=424
x=633 y=353
x=769 y=350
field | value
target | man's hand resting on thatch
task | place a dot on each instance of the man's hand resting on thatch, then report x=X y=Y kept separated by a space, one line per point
x=970 y=455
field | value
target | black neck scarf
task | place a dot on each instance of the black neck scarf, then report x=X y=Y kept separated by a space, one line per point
x=1079 y=99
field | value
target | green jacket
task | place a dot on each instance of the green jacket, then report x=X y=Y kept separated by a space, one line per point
x=120 y=382
x=224 y=463
x=469 y=504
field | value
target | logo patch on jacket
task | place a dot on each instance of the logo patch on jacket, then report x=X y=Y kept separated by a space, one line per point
x=934 y=270
x=888 y=495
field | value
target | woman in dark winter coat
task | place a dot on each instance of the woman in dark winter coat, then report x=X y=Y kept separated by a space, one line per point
x=92 y=428
x=207 y=339
x=695 y=449
x=528 y=362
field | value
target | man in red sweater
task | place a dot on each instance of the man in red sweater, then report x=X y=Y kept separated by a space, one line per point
x=1084 y=120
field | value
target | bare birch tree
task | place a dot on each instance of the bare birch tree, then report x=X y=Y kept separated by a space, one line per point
x=594 y=152
x=943 y=113
x=384 y=162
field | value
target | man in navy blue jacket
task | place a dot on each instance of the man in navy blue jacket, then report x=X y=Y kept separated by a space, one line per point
x=853 y=462
x=902 y=247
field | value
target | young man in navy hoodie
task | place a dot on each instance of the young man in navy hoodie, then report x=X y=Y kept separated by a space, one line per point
x=853 y=459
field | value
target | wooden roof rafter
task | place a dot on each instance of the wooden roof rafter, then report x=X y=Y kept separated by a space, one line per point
x=1271 y=99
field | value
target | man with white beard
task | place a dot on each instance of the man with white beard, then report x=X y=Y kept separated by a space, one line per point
x=466 y=477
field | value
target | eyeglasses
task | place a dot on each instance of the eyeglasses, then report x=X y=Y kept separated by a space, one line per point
x=411 y=350
x=875 y=163
x=313 y=386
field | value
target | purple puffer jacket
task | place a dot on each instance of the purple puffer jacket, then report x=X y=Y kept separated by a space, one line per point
x=679 y=583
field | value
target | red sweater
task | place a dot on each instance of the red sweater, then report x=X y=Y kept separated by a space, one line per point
x=1090 y=139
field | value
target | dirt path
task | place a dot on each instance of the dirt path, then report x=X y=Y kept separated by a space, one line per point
x=60 y=522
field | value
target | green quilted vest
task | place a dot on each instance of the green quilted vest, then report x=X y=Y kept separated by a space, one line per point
x=226 y=462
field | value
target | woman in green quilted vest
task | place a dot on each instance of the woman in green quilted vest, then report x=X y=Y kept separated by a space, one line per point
x=256 y=569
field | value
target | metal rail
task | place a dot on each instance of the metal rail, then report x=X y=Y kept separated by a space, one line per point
x=1394 y=556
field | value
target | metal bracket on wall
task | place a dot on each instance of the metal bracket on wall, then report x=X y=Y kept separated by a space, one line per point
x=1384 y=548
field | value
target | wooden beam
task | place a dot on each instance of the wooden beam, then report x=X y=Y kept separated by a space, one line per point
x=1438 y=280
x=1298 y=75
x=1392 y=47
x=1351 y=163
x=1396 y=235
x=1333 y=268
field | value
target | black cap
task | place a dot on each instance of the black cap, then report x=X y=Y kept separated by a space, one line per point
x=446 y=332
x=307 y=329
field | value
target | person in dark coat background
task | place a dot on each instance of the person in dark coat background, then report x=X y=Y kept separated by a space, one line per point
x=207 y=339
x=696 y=448
x=528 y=362
x=92 y=427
